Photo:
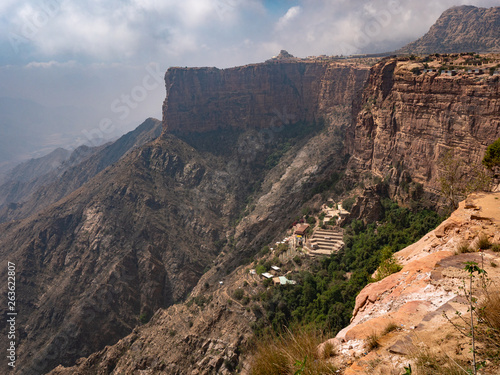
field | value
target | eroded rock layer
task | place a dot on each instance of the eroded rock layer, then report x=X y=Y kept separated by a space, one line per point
x=408 y=122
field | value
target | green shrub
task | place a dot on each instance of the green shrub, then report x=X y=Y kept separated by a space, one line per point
x=238 y=294
x=260 y=269
x=265 y=250
x=311 y=220
x=387 y=267
x=297 y=260
x=348 y=203
x=492 y=155
x=144 y=318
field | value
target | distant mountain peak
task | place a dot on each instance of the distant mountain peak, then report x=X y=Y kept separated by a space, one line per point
x=463 y=28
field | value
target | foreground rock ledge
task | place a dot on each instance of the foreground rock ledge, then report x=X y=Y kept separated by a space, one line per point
x=415 y=298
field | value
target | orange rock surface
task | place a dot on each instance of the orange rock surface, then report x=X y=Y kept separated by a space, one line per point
x=415 y=298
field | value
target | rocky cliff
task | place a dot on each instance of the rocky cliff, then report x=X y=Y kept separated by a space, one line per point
x=461 y=29
x=256 y=96
x=414 y=299
x=399 y=120
x=408 y=121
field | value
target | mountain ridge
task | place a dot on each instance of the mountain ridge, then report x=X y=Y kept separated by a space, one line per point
x=25 y=194
x=462 y=28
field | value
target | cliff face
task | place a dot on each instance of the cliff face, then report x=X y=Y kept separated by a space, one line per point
x=461 y=29
x=407 y=121
x=256 y=96
x=415 y=298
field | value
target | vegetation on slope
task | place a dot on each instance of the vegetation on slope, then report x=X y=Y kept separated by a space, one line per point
x=492 y=155
x=324 y=296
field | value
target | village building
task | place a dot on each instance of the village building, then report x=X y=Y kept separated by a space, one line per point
x=449 y=73
x=282 y=280
x=475 y=71
x=300 y=229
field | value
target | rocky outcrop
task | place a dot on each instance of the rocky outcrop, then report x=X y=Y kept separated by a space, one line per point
x=415 y=298
x=257 y=96
x=461 y=29
x=407 y=122
x=205 y=336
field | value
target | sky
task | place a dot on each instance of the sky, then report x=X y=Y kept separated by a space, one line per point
x=105 y=60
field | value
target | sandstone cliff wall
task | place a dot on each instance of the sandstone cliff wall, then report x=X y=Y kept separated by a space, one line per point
x=256 y=96
x=409 y=121
x=415 y=298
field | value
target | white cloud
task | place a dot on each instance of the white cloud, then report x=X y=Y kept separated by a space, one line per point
x=138 y=31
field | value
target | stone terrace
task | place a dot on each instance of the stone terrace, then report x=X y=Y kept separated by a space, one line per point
x=325 y=242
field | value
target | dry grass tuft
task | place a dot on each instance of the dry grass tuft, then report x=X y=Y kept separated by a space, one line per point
x=372 y=342
x=328 y=350
x=483 y=242
x=464 y=247
x=291 y=352
x=390 y=327
x=489 y=314
x=427 y=362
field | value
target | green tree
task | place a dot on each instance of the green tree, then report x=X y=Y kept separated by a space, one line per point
x=492 y=155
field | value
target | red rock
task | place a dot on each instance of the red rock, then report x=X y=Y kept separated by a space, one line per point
x=257 y=96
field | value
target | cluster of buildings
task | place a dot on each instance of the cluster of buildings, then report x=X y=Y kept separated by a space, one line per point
x=451 y=73
x=274 y=275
